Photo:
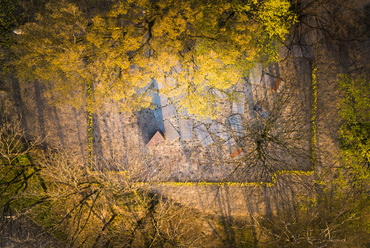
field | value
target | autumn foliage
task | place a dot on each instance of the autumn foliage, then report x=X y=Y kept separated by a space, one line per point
x=191 y=47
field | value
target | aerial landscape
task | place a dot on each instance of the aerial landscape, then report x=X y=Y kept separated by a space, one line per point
x=185 y=123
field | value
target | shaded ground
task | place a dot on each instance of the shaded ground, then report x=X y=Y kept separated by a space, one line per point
x=119 y=137
x=23 y=232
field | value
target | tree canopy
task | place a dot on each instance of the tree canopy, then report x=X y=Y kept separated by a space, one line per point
x=191 y=47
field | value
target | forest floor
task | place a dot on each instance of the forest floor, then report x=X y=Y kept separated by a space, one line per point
x=120 y=138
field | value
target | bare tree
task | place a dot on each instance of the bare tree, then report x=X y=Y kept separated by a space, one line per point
x=276 y=136
x=73 y=206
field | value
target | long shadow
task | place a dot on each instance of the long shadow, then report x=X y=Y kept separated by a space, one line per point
x=252 y=210
x=40 y=115
x=234 y=231
x=124 y=140
x=250 y=99
x=223 y=202
x=276 y=204
x=147 y=124
x=345 y=59
x=268 y=208
x=274 y=72
x=97 y=149
x=303 y=83
x=59 y=128
x=81 y=144
x=107 y=133
x=17 y=97
x=286 y=198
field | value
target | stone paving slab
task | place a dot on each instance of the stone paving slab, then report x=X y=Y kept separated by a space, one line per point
x=170 y=132
x=203 y=135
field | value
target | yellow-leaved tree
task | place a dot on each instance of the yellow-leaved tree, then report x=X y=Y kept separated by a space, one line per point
x=191 y=47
